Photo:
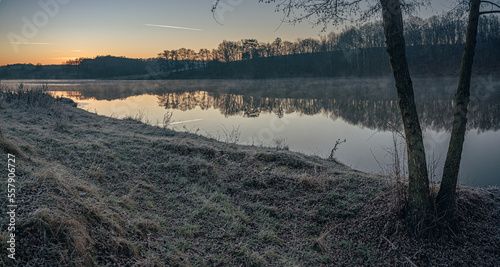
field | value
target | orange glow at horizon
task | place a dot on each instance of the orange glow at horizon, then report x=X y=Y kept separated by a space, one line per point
x=48 y=55
x=131 y=29
x=54 y=31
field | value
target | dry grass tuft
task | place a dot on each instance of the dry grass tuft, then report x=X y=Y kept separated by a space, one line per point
x=308 y=180
x=55 y=179
x=145 y=227
x=59 y=235
x=123 y=247
x=9 y=147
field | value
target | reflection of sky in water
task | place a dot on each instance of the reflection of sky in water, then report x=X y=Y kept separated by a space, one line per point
x=310 y=134
x=361 y=112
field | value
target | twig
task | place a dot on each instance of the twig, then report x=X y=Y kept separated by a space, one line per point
x=389 y=241
x=394 y=248
x=395 y=129
x=381 y=168
x=411 y=262
x=338 y=142
x=372 y=135
x=323 y=235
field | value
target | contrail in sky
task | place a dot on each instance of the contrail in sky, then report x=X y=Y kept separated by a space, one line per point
x=28 y=43
x=172 y=27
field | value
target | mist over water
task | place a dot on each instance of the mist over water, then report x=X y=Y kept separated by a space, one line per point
x=308 y=115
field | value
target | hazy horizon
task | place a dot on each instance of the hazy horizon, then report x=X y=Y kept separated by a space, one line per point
x=54 y=31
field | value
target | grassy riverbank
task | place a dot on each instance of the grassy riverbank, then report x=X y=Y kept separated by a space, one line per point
x=93 y=191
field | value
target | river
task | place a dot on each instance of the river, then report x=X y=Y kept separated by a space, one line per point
x=308 y=115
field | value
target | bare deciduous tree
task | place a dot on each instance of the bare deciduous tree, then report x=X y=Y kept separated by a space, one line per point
x=446 y=199
x=328 y=12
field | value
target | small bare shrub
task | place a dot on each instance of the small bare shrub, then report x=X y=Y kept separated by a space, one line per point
x=281 y=144
x=397 y=171
x=29 y=97
x=229 y=136
x=61 y=119
x=167 y=118
x=337 y=143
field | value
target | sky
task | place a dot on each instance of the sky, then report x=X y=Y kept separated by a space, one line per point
x=54 y=31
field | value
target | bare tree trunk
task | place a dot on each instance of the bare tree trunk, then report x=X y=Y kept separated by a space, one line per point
x=419 y=205
x=447 y=193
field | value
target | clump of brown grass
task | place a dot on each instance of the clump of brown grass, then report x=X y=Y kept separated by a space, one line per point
x=56 y=180
x=308 y=180
x=124 y=247
x=9 y=147
x=141 y=188
x=144 y=227
x=58 y=235
x=59 y=230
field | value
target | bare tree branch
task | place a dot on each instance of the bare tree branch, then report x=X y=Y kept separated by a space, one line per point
x=489 y=12
x=491 y=3
x=214 y=8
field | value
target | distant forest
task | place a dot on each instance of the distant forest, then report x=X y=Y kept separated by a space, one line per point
x=434 y=47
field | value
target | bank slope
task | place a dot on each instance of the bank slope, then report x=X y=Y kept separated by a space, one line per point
x=93 y=191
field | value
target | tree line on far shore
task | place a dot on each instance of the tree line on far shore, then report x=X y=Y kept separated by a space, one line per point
x=434 y=44
x=434 y=47
x=437 y=30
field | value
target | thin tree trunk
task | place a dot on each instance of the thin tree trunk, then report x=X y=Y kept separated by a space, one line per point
x=447 y=193
x=419 y=205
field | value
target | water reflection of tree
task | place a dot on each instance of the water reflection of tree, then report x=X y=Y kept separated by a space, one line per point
x=366 y=102
x=373 y=114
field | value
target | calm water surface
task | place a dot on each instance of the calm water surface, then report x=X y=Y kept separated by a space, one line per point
x=308 y=115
